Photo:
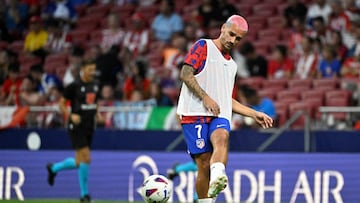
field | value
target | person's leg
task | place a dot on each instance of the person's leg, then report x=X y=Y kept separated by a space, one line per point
x=203 y=176
x=67 y=164
x=83 y=160
x=219 y=137
x=185 y=167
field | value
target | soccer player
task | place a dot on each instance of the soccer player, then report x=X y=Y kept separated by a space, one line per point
x=205 y=105
x=82 y=95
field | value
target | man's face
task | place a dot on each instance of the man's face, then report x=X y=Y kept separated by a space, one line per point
x=89 y=72
x=230 y=36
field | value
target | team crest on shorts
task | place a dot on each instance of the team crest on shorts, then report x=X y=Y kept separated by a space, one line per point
x=200 y=143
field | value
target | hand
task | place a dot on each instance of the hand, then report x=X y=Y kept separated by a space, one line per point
x=75 y=118
x=263 y=120
x=211 y=105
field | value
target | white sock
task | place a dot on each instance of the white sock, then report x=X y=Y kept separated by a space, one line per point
x=214 y=199
x=216 y=169
x=206 y=200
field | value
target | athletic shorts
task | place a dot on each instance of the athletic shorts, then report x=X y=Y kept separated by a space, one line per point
x=80 y=137
x=197 y=135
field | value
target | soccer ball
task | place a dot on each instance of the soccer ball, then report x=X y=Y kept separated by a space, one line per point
x=156 y=189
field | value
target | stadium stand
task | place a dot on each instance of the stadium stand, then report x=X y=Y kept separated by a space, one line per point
x=265 y=30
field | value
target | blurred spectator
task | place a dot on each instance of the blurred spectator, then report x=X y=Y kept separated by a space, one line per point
x=52 y=119
x=158 y=94
x=4 y=32
x=76 y=3
x=354 y=50
x=352 y=10
x=107 y=99
x=280 y=65
x=337 y=43
x=351 y=67
x=28 y=94
x=296 y=37
x=329 y=66
x=44 y=80
x=173 y=57
x=192 y=33
x=167 y=22
x=4 y=65
x=36 y=39
x=108 y=66
x=250 y=97
x=320 y=30
x=34 y=6
x=240 y=60
x=308 y=61
x=11 y=87
x=16 y=17
x=137 y=39
x=113 y=35
x=255 y=63
x=136 y=96
x=137 y=80
x=225 y=10
x=295 y=9
x=61 y=10
x=72 y=71
x=318 y=8
x=58 y=40
x=340 y=21
x=207 y=13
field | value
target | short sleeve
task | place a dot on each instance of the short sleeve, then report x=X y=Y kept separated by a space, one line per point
x=196 y=57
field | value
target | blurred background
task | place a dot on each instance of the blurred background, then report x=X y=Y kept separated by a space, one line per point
x=300 y=63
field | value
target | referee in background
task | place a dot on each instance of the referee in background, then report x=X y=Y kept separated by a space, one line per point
x=82 y=95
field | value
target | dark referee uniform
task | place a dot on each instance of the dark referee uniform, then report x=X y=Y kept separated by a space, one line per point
x=83 y=98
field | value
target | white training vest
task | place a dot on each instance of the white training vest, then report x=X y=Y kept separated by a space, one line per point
x=217 y=79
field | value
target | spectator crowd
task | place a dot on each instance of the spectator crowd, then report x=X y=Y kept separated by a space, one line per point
x=139 y=46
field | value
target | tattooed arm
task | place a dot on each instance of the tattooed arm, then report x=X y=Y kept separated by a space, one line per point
x=187 y=76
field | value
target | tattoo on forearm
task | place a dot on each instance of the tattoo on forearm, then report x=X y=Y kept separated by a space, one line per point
x=187 y=76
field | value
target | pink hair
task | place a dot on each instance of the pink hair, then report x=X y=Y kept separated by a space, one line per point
x=239 y=21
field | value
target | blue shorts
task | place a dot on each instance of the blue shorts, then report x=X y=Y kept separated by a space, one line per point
x=197 y=135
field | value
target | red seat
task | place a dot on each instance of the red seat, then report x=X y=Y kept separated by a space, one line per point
x=325 y=84
x=313 y=93
x=54 y=66
x=254 y=82
x=79 y=36
x=338 y=101
x=269 y=32
x=3 y=45
x=344 y=95
x=99 y=9
x=149 y=12
x=264 y=9
x=315 y=103
x=299 y=84
x=300 y=106
x=17 y=46
x=278 y=83
x=269 y=92
x=244 y=9
x=57 y=58
x=28 y=59
x=286 y=94
x=262 y=47
x=282 y=111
